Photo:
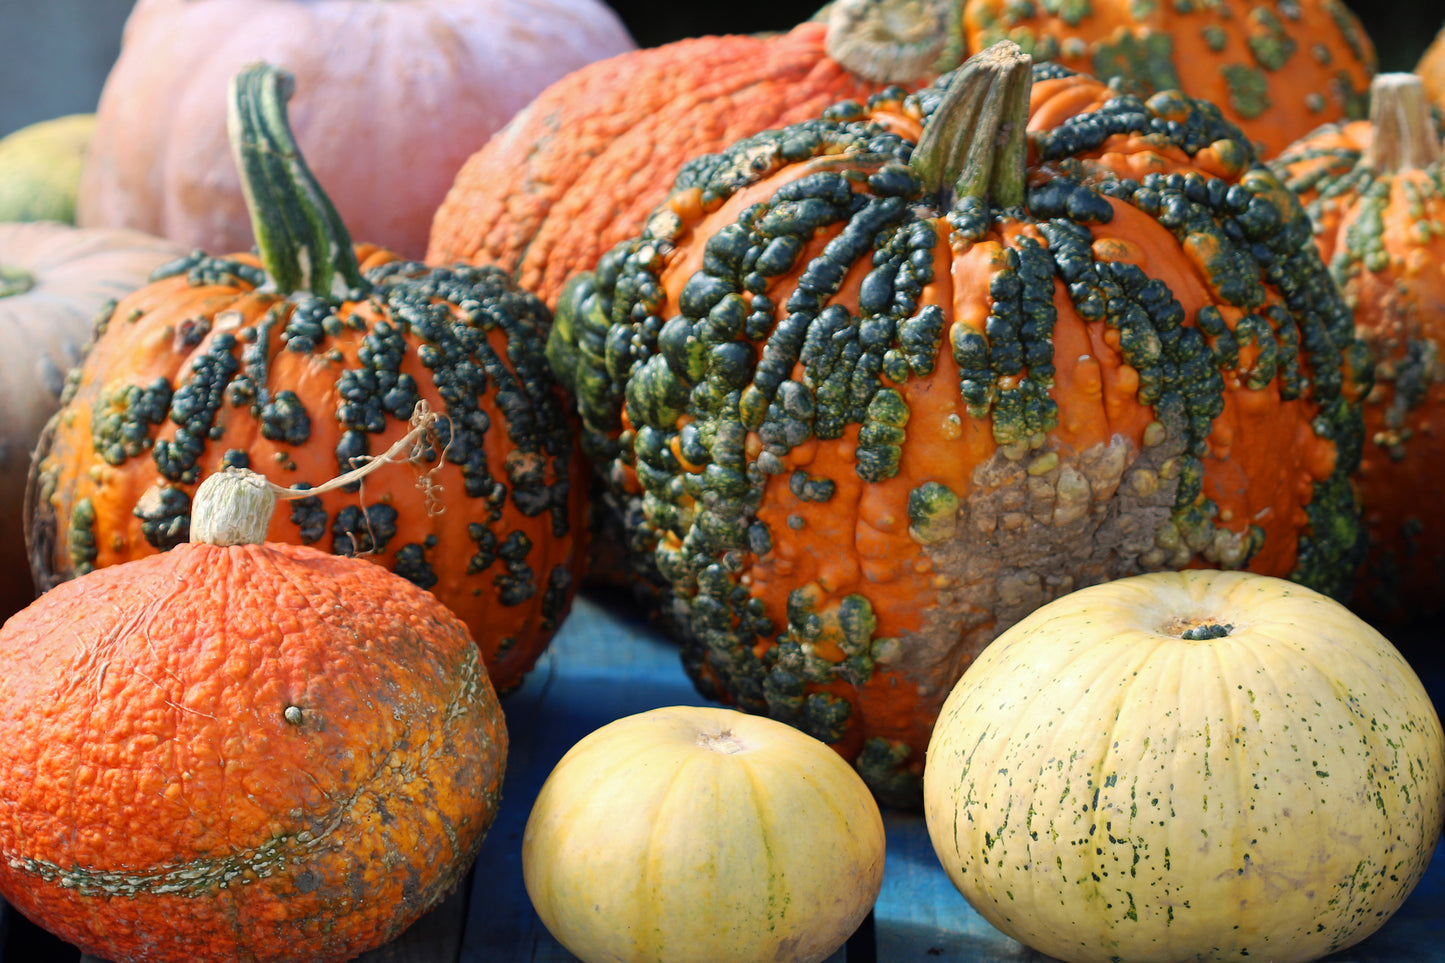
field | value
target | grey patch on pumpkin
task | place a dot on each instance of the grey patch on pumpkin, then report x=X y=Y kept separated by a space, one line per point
x=1023 y=539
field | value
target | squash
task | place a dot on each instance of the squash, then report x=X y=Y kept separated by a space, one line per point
x=40 y=168
x=394 y=97
x=238 y=750
x=1373 y=189
x=1431 y=69
x=698 y=834
x=299 y=364
x=54 y=280
x=1187 y=766
x=870 y=388
x=581 y=167
x=1278 y=70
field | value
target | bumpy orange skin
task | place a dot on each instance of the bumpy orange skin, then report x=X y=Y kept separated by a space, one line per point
x=580 y=168
x=166 y=801
x=1375 y=234
x=149 y=338
x=1277 y=70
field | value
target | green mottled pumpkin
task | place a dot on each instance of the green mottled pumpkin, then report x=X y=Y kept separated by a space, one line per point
x=301 y=363
x=872 y=387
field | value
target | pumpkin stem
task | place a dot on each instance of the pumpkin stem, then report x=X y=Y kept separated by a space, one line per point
x=234 y=505
x=303 y=243
x=14 y=281
x=976 y=141
x=895 y=41
x=1403 y=135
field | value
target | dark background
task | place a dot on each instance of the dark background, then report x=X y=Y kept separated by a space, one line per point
x=54 y=54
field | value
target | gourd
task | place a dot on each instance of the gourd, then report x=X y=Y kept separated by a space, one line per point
x=40 y=168
x=696 y=834
x=1373 y=189
x=581 y=167
x=1277 y=70
x=1187 y=766
x=237 y=750
x=301 y=363
x=869 y=389
x=1431 y=69
x=393 y=98
x=54 y=280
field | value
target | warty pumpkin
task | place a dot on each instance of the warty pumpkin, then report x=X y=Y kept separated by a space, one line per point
x=1198 y=766
x=241 y=751
x=1375 y=191
x=695 y=834
x=54 y=280
x=296 y=364
x=580 y=168
x=1277 y=68
x=393 y=98
x=870 y=388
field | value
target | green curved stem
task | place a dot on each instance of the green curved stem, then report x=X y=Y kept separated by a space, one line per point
x=14 y=281
x=303 y=243
x=976 y=141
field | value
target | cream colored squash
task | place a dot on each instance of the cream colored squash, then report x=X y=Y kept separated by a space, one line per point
x=1110 y=782
x=702 y=834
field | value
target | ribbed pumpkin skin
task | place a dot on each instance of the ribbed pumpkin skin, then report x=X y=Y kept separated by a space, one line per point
x=1372 y=229
x=1101 y=787
x=849 y=471
x=56 y=279
x=1277 y=69
x=201 y=369
x=391 y=98
x=581 y=167
x=163 y=805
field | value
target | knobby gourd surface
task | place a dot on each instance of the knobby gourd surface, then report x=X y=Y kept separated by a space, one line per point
x=859 y=417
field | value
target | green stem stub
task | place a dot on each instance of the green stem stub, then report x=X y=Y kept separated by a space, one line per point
x=976 y=142
x=1205 y=631
x=14 y=281
x=303 y=243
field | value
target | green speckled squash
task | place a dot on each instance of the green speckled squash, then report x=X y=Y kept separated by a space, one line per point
x=301 y=362
x=1208 y=766
x=1277 y=68
x=871 y=388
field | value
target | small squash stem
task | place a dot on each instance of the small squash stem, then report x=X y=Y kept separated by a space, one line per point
x=234 y=505
x=894 y=41
x=1403 y=135
x=14 y=281
x=976 y=142
x=303 y=243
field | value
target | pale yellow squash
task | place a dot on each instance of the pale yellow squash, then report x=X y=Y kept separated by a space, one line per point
x=1102 y=786
x=702 y=834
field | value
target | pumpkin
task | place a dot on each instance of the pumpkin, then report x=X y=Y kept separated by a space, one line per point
x=40 y=168
x=1431 y=69
x=580 y=168
x=394 y=97
x=1190 y=765
x=54 y=280
x=869 y=389
x=696 y=834
x=237 y=750
x=1278 y=70
x=1373 y=189
x=297 y=364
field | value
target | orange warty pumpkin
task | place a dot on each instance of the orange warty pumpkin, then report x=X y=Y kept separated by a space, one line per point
x=581 y=167
x=1373 y=190
x=300 y=362
x=870 y=388
x=1277 y=69
x=241 y=751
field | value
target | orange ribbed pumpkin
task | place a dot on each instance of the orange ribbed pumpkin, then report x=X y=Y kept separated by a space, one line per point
x=1373 y=190
x=300 y=362
x=240 y=751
